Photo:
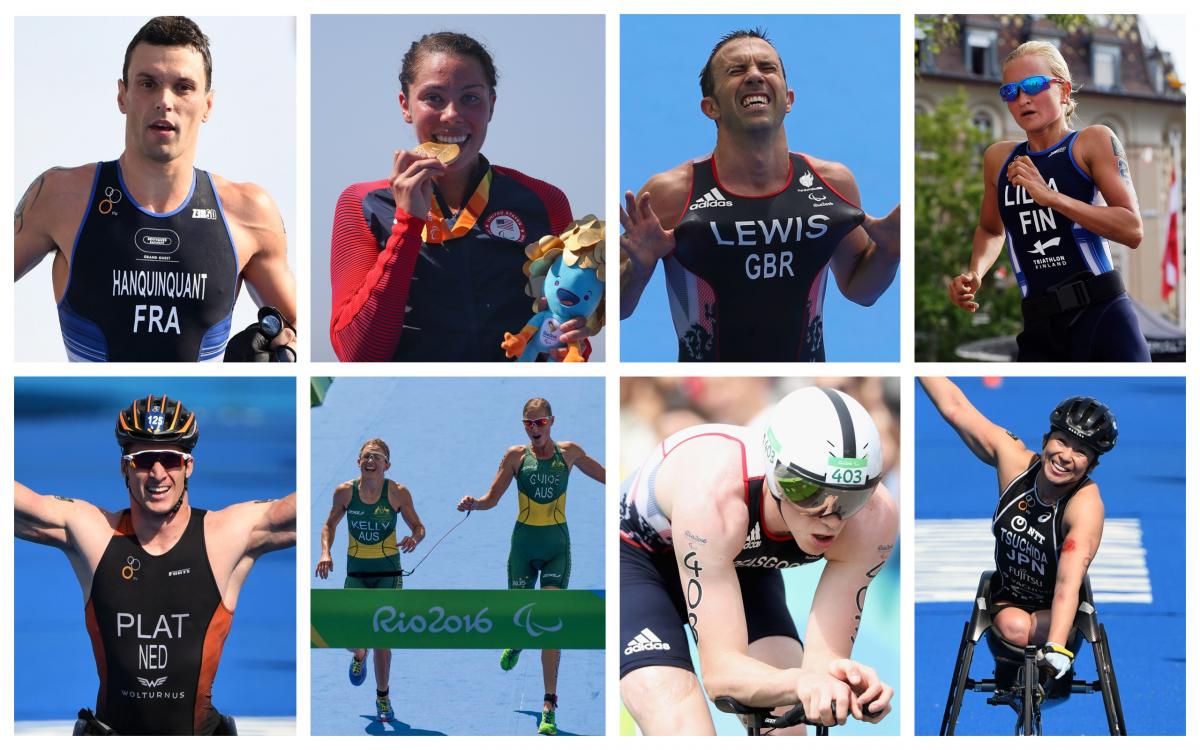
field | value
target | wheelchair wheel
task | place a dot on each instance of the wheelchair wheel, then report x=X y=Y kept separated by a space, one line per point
x=1030 y=723
x=1108 y=685
x=958 y=682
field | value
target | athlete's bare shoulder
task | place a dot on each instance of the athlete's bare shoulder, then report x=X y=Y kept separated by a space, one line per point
x=994 y=157
x=343 y=493
x=708 y=466
x=59 y=193
x=247 y=203
x=669 y=192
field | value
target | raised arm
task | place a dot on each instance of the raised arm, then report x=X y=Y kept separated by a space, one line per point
x=1083 y=524
x=237 y=535
x=649 y=223
x=509 y=464
x=402 y=500
x=341 y=501
x=77 y=527
x=274 y=524
x=865 y=261
x=577 y=457
x=41 y=518
x=989 y=442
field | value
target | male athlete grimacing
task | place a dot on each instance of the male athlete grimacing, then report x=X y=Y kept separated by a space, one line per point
x=707 y=524
x=160 y=579
x=747 y=234
x=149 y=252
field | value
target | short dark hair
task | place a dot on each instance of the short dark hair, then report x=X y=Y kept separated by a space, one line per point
x=707 y=80
x=447 y=42
x=171 y=31
x=534 y=404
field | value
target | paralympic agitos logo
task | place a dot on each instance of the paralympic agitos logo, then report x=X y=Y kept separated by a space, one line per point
x=523 y=618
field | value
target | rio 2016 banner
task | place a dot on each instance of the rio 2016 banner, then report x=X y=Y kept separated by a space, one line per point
x=438 y=618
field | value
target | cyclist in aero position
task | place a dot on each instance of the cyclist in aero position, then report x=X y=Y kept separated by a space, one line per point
x=1049 y=518
x=1057 y=198
x=373 y=503
x=541 y=544
x=160 y=579
x=707 y=523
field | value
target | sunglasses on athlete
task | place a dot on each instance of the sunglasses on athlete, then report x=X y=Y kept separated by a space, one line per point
x=1031 y=85
x=376 y=457
x=822 y=499
x=539 y=422
x=145 y=460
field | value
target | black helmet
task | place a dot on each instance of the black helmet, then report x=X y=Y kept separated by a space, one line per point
x=1088 y=420
x=157 y=420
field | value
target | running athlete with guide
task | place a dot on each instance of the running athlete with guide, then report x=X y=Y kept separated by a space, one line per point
x=708 y=522
x=427 y=264
x=1049 y=519
x=148 y=251
x=1057 y=198
x=160 y=579
x=746 y=235
x=372 y=503
x=541 y=544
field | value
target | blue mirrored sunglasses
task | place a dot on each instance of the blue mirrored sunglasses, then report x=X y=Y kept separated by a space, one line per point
x=1031 y=85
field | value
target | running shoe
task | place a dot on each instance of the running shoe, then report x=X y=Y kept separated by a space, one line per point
x=358 y=671
x=508 y=659
x=547 y=726
x=383 y=708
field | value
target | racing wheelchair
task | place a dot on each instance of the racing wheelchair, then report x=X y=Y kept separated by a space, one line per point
x=1021 y=679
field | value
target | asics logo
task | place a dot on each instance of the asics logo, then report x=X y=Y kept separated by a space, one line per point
x=711 y=199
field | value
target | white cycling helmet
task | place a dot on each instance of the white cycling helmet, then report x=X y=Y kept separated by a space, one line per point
x=823 y=452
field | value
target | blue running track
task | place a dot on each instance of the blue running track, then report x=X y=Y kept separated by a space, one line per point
x=1138 y=576
x=447 y=436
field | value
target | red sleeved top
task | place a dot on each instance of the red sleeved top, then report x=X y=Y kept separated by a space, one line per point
x=398 y=298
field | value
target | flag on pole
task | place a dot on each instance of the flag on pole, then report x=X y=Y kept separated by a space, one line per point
x=1170 y=261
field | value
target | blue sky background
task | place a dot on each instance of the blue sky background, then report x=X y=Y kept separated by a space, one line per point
x=845 y=71
x=66 y=115
x=549 y=119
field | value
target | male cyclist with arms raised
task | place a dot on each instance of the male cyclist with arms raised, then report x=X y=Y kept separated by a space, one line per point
x=707 y=523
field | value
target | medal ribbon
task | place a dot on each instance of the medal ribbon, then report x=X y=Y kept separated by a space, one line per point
x=437 y=231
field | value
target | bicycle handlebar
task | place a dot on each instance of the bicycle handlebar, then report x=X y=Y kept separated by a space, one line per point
x=763 y=717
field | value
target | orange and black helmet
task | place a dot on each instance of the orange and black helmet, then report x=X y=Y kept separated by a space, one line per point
x=157 y=419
